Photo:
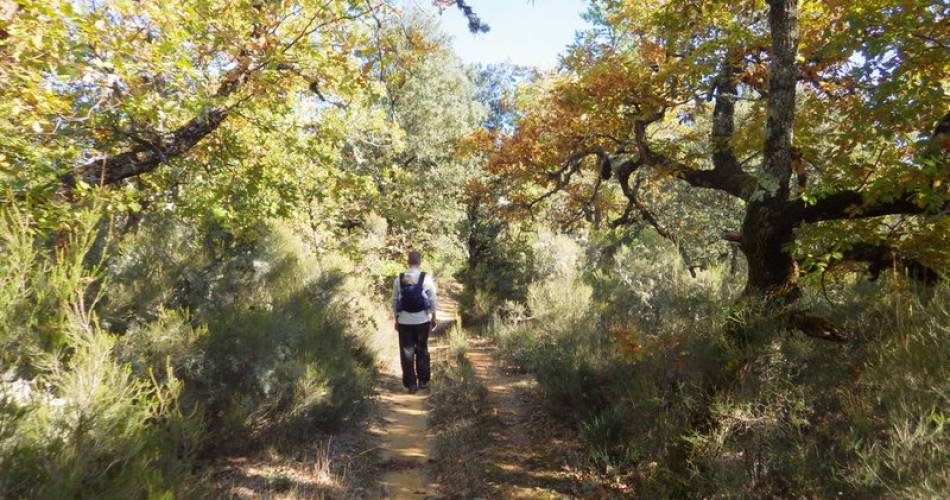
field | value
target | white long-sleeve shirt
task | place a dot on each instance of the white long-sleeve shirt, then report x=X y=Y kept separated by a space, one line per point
x=428 y=287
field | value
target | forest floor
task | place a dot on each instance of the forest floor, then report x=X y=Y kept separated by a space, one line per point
x=403 y=426
x=494 y=438
x=482 y=432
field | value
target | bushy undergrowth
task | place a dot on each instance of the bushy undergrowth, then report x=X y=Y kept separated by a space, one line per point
x=685 y=392
x=281 y=338
x=500 y=267
x=75 y=421
x=119 y=373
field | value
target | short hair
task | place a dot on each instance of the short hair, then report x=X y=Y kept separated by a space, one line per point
x=415 y=258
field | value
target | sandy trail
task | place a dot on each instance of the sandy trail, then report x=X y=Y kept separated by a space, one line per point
x=406 y=441
x=531 y=455
x=405 y=438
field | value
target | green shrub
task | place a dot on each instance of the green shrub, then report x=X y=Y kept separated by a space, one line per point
x=269 y=337
x=89 y=427
x=500 y=267
x=75 y=421
x=220 y=340
x=44 y=286
x=681 y=391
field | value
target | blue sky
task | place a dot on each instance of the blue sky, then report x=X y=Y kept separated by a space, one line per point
x=522 y=32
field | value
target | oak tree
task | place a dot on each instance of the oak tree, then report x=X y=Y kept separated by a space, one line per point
x=824 y=121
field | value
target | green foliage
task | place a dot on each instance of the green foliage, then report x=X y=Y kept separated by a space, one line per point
x=92 y=80
x=418 y=175
x=274 y=339
x=90 y=425
x=222 y=339
x=74 y=419
x=106 y=431
x=225 y=309
x=42 y=289
x=499 y=269
x=683 y=393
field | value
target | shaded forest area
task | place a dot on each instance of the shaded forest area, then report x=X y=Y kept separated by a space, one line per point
x=717 y=235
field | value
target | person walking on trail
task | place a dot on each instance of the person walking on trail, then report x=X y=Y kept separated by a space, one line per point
x=414 y=304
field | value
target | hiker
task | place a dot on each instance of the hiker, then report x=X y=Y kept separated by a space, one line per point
x=414 y=303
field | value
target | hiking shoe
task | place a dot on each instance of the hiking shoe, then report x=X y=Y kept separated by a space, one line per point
x=424 y=385
x=413 y=389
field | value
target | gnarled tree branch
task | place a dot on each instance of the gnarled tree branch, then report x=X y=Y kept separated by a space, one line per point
x=851 y=205
x=727 y=174
x=145 y=158
x=881 y=257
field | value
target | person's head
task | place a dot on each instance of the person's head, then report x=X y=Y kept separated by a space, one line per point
x=414 y=258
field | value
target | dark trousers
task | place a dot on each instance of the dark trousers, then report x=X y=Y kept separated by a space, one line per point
x=414 y=343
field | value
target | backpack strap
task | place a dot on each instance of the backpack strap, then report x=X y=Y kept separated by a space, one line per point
x=422 y=279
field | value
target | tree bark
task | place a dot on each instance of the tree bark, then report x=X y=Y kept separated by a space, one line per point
x=146 y=156
x=768 y=230
x=767 y=235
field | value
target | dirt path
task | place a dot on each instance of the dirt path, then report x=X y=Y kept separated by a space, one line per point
x=406 y=441
x=530 y=454
x=522 y=452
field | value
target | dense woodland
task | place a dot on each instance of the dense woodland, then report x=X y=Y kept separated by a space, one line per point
x=718 y=234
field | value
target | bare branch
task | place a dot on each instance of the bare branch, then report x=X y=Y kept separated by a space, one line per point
x=562 y=176
x=634 y=201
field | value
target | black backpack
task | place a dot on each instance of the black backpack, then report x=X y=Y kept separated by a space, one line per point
x=412 y=297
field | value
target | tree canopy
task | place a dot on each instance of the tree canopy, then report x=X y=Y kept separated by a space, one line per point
x=824 y=124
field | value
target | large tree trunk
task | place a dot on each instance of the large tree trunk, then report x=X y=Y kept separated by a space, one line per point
x=767 y=234
x=768 y=228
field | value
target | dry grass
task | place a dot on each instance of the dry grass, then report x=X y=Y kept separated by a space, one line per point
x=337 y=466
x=460 y=420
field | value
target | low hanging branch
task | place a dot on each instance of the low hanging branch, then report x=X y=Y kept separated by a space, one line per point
x=146 y=157
x=634 y=201
x=852 y=204
x=147 y=154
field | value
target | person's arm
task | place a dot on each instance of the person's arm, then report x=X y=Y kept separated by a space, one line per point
x=396 y=302
x=433 y=295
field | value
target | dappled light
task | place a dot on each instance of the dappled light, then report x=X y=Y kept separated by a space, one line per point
x=319 y=249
